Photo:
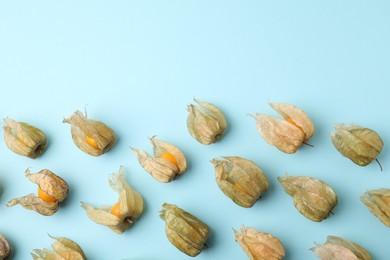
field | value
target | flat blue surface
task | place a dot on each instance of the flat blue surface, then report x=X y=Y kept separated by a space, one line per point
x=138 y=64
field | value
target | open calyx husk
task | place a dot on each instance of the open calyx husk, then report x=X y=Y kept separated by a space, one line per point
x=63 y=249
x=337 y=248
x=54 y=188
x=240 y=179
x=122 y=214
x=24 y=139
x=92 y=137
x=167 y=162
x=286 y=134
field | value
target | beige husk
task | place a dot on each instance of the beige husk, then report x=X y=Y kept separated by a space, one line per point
x=289 y=134
x=64 y=249
x=161 y=169
x=130 y=206
x=50 y=183
x=240 y=179
x=337 y=248
x=82 y=127
x=23 y=138
x=312 y=198
x=186 y=232
x=259 y=245
x=298 y=116
x=5 y=248
x=361 y=145
x=378 y=202
x=205 y=123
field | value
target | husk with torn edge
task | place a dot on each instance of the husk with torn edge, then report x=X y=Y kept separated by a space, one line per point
x=162 y=169
x=130 y=206
x=63 y=249
x=52 y=185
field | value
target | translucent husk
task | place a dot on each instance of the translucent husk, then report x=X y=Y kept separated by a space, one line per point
x=312 y=198
x=378 y=202
x=5 y=249
x=24 y=139
x=259 y=245
x=205 y=123
x=289 y=134
x=92 y=137
x=130 y=206
x=186 y=232
x=51 y=184
x=361 y=145
x=161 y=169
x=240 y=179
x=64 y=249
x=337 y=248
x=297 y=117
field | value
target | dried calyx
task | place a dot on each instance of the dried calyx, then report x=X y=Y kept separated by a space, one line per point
x=92 y=137
x=289 y=134
x=240 y=179
x=124 y=213
x=337 y=248
x=24 y=139
x=167 y=161
x=312 y=198
x=378 y=202
x=259 y=245
x=52 y=189
x=63 y=249
x=206 y=122
x=5 y=248
x=186 y=232
x=361 y=145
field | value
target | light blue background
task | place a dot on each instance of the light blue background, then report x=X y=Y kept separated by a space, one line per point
x=138 y=64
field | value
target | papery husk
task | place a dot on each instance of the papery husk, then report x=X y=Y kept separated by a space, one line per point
x=297 y=117
x=161 y=169
x=5 y=248
x=33 y=202
x=259 y=245
x=337 y=248
x=289 y=134
x=82 y=127
x=48 y=182
x=130 y=206
x=186 y=232
x=205 y=123
x=361 y=145
x=279 y=133
x=240 y=179
x=24 y=139
x=312 y=198
x=378 y=202
x=64 y=249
